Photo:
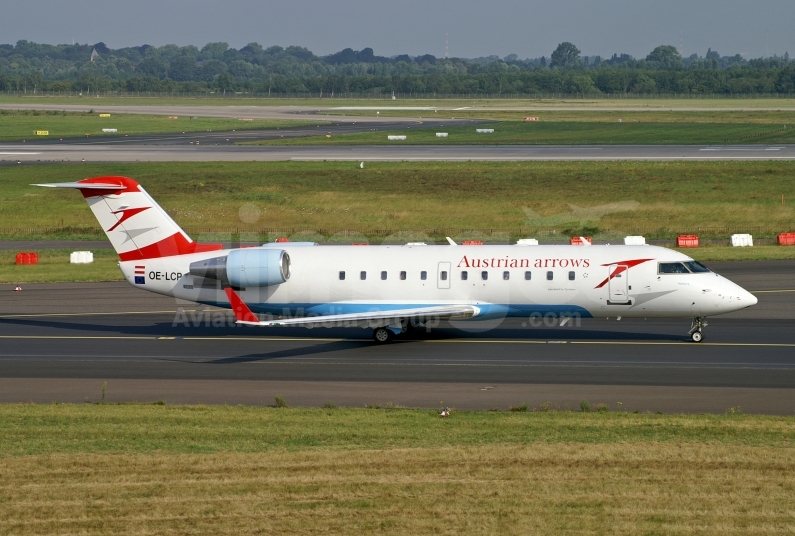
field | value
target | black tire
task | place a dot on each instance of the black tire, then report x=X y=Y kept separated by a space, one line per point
x=383 y=335
x=696 y=336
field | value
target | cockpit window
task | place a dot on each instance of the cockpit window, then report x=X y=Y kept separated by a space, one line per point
x=682 y=268
x=697 y=267
x=673 y=268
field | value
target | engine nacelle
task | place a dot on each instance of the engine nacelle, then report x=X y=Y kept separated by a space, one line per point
x=249 y=267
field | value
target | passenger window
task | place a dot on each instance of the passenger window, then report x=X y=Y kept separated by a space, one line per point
x=363 y=276
x=571 y=276
x=697 y=267
x=464 y=275
x=484 y=275
x=527 y=276
x=423 y=275
x=549 y=276
x=506 y=276
x=383 y=276
x=443 y=275
x=673 y=268
x=342 y=275
x=402 y=276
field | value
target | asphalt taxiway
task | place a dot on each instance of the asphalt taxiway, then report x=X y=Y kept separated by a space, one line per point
x=61 y=341
x=117 y=151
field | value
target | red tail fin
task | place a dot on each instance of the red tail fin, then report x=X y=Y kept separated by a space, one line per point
x=135 y=224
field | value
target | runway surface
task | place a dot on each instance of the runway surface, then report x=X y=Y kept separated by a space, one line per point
x=61 y=341
x=11 y=153
x=322 y=112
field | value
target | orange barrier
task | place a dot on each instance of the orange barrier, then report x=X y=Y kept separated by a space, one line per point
x=786 y=239
x=27 y=257
x=687 y=241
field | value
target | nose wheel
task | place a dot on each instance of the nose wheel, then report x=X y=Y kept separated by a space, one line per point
x=696 y=329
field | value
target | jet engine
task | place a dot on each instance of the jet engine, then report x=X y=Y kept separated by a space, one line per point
x=249 y=267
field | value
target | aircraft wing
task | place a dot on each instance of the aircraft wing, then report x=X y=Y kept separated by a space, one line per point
x=244 y=315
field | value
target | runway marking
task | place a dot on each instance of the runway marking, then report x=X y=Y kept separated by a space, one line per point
x=122 y=337
x=638 y=343
x=280 y=339
x=770 y=291
x=367 y=341
x=484 y=341
x=99 y=314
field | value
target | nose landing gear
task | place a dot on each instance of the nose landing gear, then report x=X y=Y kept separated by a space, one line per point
x=696 y=329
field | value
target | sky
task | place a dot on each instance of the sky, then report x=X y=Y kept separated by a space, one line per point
x=529 y=28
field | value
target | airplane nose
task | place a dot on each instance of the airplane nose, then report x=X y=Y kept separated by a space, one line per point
x=749 y=298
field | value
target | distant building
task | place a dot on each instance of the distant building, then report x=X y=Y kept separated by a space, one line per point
x=94 y=54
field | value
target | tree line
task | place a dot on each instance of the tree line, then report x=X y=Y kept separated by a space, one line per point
x=31 y=67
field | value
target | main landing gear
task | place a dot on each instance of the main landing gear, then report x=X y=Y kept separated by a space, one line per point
x=383 y=335
x=696 y=329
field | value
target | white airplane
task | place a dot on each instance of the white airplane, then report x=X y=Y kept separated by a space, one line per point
x=385 y=288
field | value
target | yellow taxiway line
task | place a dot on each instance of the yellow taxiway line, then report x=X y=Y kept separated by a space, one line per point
x=368 y=341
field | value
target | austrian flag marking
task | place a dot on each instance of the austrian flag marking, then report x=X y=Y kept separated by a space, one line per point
x=140 y=275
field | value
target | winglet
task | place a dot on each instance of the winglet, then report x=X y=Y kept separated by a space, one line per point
x=242 y=313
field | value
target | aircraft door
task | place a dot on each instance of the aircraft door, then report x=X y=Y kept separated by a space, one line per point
x=618 y=284
x=443 y=275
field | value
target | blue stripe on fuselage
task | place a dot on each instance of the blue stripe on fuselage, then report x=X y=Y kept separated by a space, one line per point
x=487 y=310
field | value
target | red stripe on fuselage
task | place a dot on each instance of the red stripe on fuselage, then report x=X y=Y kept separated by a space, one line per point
x=623 y=266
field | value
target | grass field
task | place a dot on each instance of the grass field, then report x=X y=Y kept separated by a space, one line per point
x=150 y=469
x=714 y=198
x=23 y=124
x=568 y=132
x=54 y=266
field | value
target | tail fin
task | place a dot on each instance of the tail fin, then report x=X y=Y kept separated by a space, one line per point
x=134 y=223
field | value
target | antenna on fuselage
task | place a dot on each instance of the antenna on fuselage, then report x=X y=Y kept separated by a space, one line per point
x=451 y=241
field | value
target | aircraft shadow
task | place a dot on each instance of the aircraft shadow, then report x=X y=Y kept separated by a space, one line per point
x=168 y=329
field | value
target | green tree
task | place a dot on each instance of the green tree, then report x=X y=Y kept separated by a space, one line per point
x=664 y=57
x=566 y=56
x=214 y=51
x=225 y=82
x=182 y=69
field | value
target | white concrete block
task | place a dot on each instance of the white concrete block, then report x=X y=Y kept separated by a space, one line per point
x=742 y=240
x=634 y=241
x=81 y=257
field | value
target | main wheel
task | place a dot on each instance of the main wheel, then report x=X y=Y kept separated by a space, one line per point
x=696 y=336
x=383 y=335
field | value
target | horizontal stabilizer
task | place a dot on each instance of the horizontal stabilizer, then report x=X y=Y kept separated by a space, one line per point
x=83 y=185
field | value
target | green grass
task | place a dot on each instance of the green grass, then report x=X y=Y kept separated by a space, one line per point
x=727 y=253
x=567 y=133
x=712 y=198
x=54 y=266
x=154 y=469
x=22 y=124
x=34 y=429
x=778 y=117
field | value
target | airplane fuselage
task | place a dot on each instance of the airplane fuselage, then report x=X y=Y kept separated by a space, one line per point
x=500 y=281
